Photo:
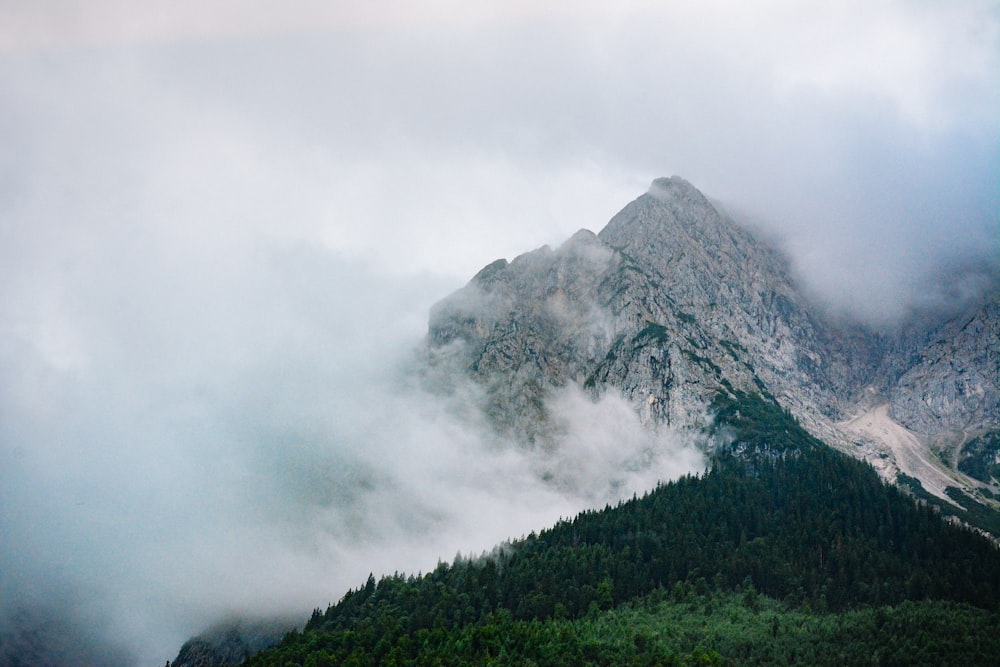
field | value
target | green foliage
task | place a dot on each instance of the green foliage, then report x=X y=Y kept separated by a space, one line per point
x=976 y=513
x=755 y=630
x=712 y=629
x=981 y=457
x=971 y=511
x=914 y=487
x=704 y=362
x=686 y=318
x=652 y=333
x=761 y=425
x=778 y=517
x=735 y=349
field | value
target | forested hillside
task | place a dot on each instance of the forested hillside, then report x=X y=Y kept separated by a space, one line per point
x=783 y=544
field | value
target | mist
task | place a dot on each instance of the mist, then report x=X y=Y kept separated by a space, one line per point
x=261 y=453
x=223 y=229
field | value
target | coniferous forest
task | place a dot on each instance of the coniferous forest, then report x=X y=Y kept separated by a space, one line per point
x=783 y=552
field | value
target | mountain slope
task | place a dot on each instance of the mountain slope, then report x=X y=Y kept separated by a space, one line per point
x=672 y=300
x=700 y=326
x=666 y=301
x=779 y=513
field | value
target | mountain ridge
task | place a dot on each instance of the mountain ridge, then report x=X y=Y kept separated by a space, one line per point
x=672 y=297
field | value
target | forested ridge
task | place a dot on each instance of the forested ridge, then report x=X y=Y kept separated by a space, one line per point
x=780 y=528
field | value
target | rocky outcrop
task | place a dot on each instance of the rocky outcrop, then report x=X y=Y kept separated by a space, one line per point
x=667 y=302
x=955 y=384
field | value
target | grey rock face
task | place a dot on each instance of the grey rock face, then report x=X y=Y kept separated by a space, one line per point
x=672 y=300
x=955 y=385
x=667 y=302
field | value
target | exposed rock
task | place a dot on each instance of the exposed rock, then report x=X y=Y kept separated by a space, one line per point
x=955 y=385
x=672 y=300
x=666 y=302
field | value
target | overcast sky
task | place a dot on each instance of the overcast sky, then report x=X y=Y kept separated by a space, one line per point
x=222 y=225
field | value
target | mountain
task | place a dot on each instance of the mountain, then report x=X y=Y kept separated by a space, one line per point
x=666 y=302
x=701 y=327
x=672 y=299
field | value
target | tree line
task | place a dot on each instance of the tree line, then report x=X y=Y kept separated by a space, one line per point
x=778 y=514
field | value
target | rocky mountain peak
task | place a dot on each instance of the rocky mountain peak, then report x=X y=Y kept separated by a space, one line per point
x=675 y=190
x=673 y=302
x=691 y=247
x=720 y=303
x=582 y=237
x=670 y=207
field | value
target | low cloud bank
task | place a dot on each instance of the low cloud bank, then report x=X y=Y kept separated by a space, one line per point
x=178 y=458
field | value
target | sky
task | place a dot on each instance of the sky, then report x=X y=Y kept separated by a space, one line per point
x=222 y=225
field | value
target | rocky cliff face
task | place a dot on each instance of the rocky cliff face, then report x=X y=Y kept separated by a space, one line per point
x=954 y=387
x=667 y=302
x=672 y=300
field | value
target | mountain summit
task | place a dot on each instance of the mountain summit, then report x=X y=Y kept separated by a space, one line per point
x=673 y=302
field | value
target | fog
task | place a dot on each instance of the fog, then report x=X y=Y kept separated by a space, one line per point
x=261 y=445
x=223 y=226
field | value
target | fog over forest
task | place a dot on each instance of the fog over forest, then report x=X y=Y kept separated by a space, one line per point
x=224 y=224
